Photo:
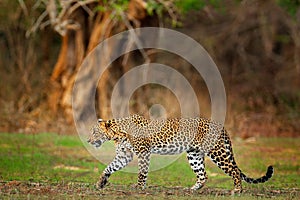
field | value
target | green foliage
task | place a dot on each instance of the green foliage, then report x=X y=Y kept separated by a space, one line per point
x=291 y=6
x=154 y=7
x=188 y=5
x=118 y=6
x=215 y=3
x=290 y=105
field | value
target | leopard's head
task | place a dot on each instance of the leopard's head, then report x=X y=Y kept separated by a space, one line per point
x=100 y=133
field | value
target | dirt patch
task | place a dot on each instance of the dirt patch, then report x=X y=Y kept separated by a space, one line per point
x=27 y=189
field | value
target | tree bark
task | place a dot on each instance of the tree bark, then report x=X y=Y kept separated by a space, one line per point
x=77 y=43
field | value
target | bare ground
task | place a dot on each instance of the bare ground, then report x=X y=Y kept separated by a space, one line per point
x=71 y=190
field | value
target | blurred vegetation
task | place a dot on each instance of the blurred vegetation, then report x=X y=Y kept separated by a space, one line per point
x=292 y=6
x=256 y=45
x=26 y=62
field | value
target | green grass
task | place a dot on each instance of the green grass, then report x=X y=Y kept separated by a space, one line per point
x=59 y=159
x=38 y=157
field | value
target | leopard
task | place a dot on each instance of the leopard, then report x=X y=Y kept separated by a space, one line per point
x=198 y=137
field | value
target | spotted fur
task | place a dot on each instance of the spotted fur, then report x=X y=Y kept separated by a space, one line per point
x=198 y=137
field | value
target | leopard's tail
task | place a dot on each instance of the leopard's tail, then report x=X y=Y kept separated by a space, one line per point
x=262 y=179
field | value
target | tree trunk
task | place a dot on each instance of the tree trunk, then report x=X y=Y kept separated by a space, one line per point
x=77 y=43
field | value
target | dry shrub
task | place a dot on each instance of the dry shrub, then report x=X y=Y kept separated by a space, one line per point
x=255 y=44
x=256 y=47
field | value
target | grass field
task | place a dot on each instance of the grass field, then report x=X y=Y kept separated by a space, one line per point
x=48 y=165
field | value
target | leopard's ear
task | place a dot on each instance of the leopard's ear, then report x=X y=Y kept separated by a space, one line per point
x=107 y=123
x=100 y=120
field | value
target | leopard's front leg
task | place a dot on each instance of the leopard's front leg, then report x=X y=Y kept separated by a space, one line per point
x=143 y=164
x=123 y=157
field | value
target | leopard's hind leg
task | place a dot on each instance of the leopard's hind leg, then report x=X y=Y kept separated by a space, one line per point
x=143 y=164
x=196 y=160
x=222 y=156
